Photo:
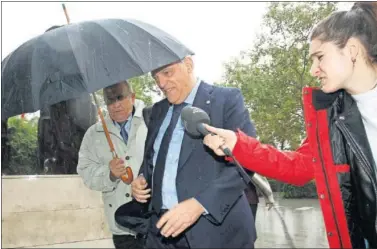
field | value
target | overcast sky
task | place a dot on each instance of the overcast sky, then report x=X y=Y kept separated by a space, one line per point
x=214 y=31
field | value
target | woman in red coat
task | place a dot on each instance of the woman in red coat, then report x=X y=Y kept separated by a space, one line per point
x=340 y=151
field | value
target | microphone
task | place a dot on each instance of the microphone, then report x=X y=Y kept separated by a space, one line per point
x=193 y=119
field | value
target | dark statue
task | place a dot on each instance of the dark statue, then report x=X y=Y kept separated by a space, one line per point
x=61 y=128
x=5 y=147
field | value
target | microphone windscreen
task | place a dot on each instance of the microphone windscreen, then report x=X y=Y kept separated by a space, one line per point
x=192 y=118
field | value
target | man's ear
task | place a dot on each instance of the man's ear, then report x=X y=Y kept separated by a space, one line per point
x=189 y=63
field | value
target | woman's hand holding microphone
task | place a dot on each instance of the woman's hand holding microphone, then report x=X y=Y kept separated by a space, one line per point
x=220 y=138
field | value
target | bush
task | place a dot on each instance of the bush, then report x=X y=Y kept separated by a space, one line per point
x=23 y=143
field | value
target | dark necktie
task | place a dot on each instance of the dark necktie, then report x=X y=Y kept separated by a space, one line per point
x=124 y=133
x=159 y=168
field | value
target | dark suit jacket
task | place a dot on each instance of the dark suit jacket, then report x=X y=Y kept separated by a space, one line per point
x=201 y=174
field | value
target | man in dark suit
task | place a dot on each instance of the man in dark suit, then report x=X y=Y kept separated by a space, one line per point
x=197 y=199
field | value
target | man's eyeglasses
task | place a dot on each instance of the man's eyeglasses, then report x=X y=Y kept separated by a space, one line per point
x=112 y=100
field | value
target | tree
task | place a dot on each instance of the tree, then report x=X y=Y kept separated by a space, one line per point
x=145 y=87
x=23 y=146
x=272 y=74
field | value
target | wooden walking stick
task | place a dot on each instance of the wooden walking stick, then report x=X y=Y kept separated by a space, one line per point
x=128 y=177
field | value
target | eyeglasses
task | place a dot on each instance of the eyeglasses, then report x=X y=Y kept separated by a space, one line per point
x=112 y=100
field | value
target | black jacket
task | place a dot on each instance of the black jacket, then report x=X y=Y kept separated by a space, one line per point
x=349 y=144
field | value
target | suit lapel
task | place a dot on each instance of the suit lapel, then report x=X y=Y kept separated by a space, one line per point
x=202 y=101
x=156 y=122
x=110 y=127
x=157 y=117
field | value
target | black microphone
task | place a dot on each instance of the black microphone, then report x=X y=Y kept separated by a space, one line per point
x=193 y=119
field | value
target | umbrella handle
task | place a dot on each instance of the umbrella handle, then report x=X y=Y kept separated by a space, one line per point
x=128 y=177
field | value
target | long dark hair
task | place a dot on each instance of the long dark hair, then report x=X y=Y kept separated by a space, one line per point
x=360 y=22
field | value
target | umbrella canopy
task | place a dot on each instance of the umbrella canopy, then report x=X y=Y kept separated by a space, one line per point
x=134 y=215
x=84 y=57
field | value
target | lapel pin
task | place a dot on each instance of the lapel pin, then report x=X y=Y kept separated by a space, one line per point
x=207 y=102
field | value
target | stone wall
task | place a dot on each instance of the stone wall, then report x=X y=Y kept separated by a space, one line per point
x=49 y=210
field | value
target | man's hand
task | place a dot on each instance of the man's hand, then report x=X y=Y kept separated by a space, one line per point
x=180 y=217
x=117 y=167
x=139 y=189
x=223 y=138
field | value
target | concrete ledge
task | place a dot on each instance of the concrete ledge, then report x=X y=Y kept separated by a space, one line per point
x=41 y=193
x=48 y=210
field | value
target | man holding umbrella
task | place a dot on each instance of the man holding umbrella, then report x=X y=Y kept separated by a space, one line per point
x=97 y=167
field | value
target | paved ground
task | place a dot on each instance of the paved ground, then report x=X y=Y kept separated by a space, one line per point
x=104 y=243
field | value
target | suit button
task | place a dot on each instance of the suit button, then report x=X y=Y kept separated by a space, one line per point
x=127 y=158
x=110 y=205
x=127 y=195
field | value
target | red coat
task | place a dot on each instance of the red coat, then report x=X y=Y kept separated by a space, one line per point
x=323 y=159
x=293 y=167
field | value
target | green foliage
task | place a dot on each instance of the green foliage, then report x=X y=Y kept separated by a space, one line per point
x=23 y=142
x=144 y=86
x=272 y=74
x=287 y=191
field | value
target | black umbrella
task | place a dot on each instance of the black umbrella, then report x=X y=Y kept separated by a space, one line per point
x=82 y=58
x=134 y=215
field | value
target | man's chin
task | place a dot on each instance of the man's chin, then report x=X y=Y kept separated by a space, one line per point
x=174 y=101
x=118 y=119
